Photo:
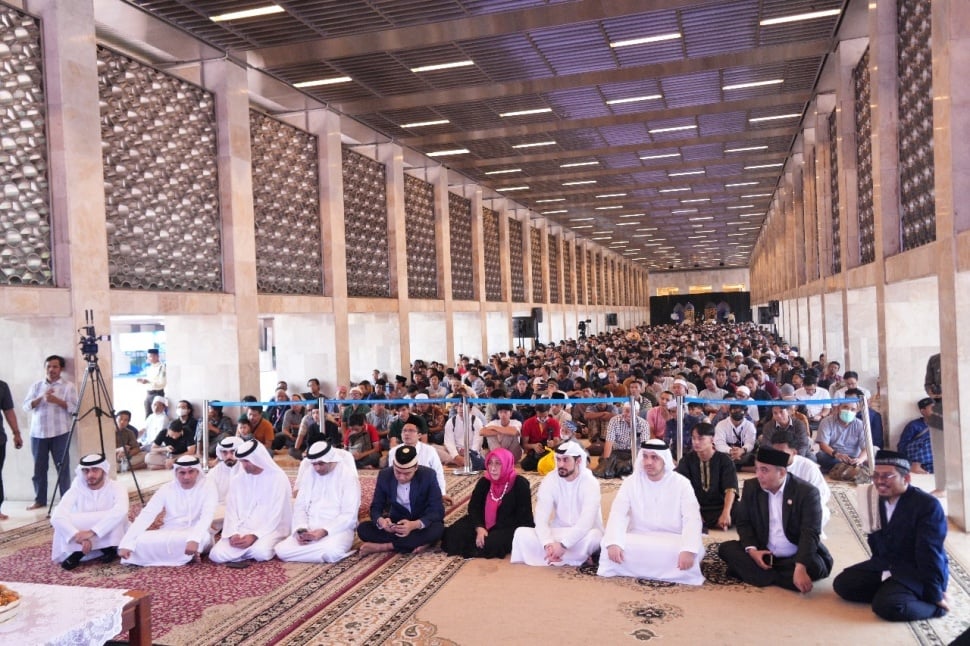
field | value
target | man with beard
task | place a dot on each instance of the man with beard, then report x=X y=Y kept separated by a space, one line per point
x=92 y=516
x=568 y=518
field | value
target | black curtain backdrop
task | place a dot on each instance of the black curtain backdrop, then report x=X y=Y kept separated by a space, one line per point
x=723 y=303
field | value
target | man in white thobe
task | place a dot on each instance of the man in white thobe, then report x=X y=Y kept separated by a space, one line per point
x=220 y=475
x=92 y=516
x=189 y=503
x=568 y=515
x=258 y=508
x=654 y=528
x=326 y=509
x=427 y=456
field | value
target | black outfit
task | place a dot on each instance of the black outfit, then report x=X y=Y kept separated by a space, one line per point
x=181 y=444
x=426 y=506
x=910 y=548
x=802 y=520
x=710 y=486
x=6 y=403
x=514 y=512
x=802 y=444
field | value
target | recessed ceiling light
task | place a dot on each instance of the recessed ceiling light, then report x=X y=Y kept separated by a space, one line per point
x=655 y=131
x=745 y=149
x=663 y=156
x=504 y=172
x=757 y=166
x=522 y=113
x=775 y=117
x=611 y=195
x=535 y=144
x=579 y=182
x=685 y=173
x=443 y=153
x=422 y=124
x=578 y=164
x=798 y=17
x=742 y=86
x=442 y=66
x=552 y=199
x=645 y=40
x=673 y=190
x=635 y=99
x=248 y=13
x=736 y=184
x=512 y=188
x=330 y=81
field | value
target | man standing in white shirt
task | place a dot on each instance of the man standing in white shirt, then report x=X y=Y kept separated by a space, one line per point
x=51 y=402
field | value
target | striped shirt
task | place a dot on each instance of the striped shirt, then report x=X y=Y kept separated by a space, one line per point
x=50 y=420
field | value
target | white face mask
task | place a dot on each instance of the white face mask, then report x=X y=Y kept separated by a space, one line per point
x=672 y=404
x=601 y=375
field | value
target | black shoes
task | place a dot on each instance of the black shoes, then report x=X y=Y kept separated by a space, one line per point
x=109 y=554
x=72 y=561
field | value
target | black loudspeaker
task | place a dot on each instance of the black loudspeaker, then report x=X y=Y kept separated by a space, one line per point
x=537 y=314
x=764 y=316
x=774 y=308
x=523 y=327
x=611 y=319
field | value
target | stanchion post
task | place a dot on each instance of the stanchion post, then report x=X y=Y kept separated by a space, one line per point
x=205 y=436
x=870 y=447
x=466 y=470
x=679 y=440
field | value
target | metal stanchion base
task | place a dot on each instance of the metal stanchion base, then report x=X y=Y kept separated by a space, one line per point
x=464 y=472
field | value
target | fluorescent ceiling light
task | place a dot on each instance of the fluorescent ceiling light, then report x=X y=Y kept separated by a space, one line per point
x=422 y=124
x=330 y=81
x=673 y=190
x=686 y=172
x=699 y=199
x=745 y=197
x=554 y=212
x=775 y=117
x=611 y=195
x=535 y=144
x=741 y=206
x=581 y=219
x=626 y=224
x=603 y=238
x=248 y=13
x=742 y=86
x=454 y=151
x=633 y=215
x=745 y=149
x=619 y=243
x=747 y=215
x=671 y=129
x=736 y=184
x=644 y=235
x=749 y=228
x=648 y=229
x=635 y=99
x=706 y=217
x=696 y=237
x=737 y=235
x=663 y=156
x=442 y=66
x=757 y=166
x=512 y=188
x=578 y=164
x=798 y=17
x=585 y=226
x=579 y=182
x=553 y=199
x=503 y=172
x=684 y=211
x=645 y=40
x=608 y=208
x=522 y=113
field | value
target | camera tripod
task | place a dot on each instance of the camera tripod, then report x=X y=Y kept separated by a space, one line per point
x=101 y=406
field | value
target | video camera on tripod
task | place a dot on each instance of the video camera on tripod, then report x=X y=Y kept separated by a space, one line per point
x=90 y=338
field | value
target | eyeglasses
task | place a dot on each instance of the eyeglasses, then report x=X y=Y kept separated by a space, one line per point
x=885 y=477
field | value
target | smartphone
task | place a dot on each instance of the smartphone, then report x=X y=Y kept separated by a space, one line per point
x=769 y=559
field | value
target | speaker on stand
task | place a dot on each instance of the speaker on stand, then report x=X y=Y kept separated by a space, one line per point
x=537 y=318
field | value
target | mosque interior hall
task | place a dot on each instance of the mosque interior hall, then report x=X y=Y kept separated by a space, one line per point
x=279 y=190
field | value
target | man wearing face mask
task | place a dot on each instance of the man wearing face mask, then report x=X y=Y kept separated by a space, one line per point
x=842 y=441
x=736 y=436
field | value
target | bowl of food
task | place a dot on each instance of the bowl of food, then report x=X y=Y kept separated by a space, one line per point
x=9 y=603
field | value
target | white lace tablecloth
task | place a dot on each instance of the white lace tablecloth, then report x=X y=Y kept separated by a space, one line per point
x=62 y=614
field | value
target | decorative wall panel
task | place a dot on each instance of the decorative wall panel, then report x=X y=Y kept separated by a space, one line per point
x=161 y=187
x=553 y=269
x=286 y=205
x=836 y=259
x=25 y=244
x=460 y=228
x=569 y=269
x=863 y=132
x=535 y=244
x=916 y=169
x=493 y=255
x=365 y=226
x=598 y=270
x=589 y=278
x=419 y=227
x=516 y=260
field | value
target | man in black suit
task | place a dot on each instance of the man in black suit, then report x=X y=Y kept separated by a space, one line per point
x=779 y=521
x=409 y=527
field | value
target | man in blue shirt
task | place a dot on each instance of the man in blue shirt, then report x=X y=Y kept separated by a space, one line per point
x=914 y=442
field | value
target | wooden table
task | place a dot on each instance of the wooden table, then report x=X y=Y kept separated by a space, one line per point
x=136 y=618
